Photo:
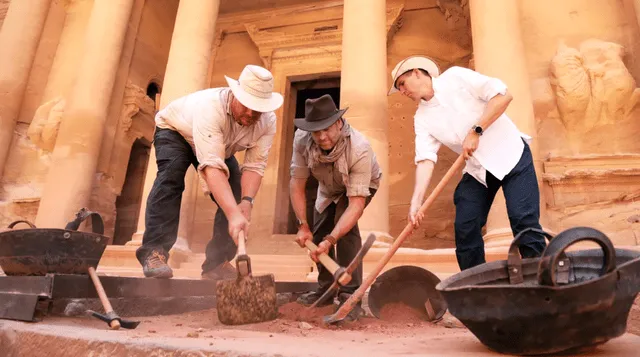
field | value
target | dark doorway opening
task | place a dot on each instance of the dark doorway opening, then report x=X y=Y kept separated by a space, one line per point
x=128 y=203
x=309 y=90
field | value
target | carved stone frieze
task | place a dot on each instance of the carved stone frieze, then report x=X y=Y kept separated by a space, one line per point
x=135 y=100
x=43 y=129
x=591 y=180
x=302 y=45
x=592 y=85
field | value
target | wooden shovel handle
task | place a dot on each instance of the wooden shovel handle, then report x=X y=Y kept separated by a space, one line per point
x=115 y=324
x=343 y=277
x=242 y=248
x=371 y=277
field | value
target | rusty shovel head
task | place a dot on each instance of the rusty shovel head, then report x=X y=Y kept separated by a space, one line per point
x=246 y=300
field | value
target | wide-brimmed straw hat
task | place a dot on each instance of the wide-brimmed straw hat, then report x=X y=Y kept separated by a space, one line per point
x=319 y=114
x=254 y=89
x=410 y=63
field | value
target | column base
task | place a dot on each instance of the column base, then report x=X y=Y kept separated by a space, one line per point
x=502 y=237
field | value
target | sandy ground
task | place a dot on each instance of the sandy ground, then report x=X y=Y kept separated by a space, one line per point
x=401 y=333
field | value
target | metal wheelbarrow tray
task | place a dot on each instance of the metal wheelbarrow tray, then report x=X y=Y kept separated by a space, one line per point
x=559 y=302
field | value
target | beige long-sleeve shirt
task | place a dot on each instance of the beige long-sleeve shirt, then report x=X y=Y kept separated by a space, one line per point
x=364 y=171
x=204 y=120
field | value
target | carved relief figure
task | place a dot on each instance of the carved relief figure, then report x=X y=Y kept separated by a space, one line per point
x=592 y=85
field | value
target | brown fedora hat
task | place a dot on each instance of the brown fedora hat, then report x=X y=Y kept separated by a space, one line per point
x=319 y=114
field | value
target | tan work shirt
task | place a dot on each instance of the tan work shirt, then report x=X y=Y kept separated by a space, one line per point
x=204 y=120
x=364 y=171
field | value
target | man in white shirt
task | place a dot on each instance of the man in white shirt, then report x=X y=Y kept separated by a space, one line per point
x=205 y=129
x=464 y=110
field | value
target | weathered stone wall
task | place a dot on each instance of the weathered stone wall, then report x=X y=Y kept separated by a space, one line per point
x=4 y=6
x=584 y=64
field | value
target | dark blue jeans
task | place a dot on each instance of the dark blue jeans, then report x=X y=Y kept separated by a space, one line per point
x=173 y=156
x=473 y=201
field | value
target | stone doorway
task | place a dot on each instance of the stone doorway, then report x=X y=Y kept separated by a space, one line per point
x=128 y=203
x=299 y=92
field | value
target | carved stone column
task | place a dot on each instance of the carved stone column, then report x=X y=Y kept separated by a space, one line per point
x=75 y=157
x=19 y=40
x=363 y=89
x=186 y=72
x=499 y=52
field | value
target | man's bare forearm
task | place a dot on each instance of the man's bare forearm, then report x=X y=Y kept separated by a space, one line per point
x=298 y=198
x=350 y=217
x=496 y=106
x=424 y=170
x=218 y=184
x=250 y=183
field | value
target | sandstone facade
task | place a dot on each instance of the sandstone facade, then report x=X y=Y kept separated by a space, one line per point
x=81 y=138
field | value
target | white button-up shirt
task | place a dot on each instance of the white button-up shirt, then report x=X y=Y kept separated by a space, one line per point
x=460 y=98
x=204 y=120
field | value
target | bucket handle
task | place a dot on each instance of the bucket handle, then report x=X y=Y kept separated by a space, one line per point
x=14 y=223
x=97 y=224
x=557 y=246
x=514 y=261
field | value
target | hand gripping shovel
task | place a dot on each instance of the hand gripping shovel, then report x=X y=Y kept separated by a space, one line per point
x=246 y=299
x=344 y=310
x=341 y=276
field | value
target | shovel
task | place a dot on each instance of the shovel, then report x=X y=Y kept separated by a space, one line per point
x=344 y=310
x=246 y=299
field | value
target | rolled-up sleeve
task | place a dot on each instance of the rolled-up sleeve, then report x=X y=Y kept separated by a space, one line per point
x=256 y=157
x=483 y=87
x=360 y=174
x=299 y=168
x=426 y=145
x=209 y=142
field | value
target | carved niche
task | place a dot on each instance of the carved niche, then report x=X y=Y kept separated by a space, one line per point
x=322 y=42
x=592 y=85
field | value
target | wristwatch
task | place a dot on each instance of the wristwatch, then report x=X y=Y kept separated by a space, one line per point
x=477 y=129
x=331 y=239
x=299 y=222
x=249 y=199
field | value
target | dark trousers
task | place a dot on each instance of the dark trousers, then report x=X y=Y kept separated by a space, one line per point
x=173 y=156
x=473 y=201
x=346 y=248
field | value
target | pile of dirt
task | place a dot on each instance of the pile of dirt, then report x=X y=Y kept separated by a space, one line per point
x=295 y=312
x=399 y=312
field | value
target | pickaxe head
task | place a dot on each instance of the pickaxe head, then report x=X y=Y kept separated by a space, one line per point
x=111 y=316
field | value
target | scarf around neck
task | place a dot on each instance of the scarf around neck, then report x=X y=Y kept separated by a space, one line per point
x=337 y=155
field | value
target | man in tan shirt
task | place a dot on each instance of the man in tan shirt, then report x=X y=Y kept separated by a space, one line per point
x=348 y=175
x=205 y=129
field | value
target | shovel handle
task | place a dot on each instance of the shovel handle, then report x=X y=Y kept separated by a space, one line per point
x=242 y=248
x=406 y=232
x=343 y=277
x=115 y=324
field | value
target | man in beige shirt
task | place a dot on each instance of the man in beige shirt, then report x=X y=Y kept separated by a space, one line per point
x=205 y=129
x=348 y=175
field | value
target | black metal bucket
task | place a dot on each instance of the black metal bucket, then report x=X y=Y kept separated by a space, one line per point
x=40 y=251
x=556 y=303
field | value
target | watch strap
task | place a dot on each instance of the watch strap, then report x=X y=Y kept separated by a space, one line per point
x=247 y=198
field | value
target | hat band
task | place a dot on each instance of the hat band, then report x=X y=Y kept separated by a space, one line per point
x=328 y=116
x=255 y=92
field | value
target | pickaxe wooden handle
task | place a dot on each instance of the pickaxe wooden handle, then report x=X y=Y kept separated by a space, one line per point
x=339 y=273
x=344 y=310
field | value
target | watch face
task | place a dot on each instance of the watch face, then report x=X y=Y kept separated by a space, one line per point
x=478 y=129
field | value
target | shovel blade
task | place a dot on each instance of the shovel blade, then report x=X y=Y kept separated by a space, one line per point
x=246 y=300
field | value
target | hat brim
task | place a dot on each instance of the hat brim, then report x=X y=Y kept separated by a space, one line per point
x=252 y=102
x=302 y=124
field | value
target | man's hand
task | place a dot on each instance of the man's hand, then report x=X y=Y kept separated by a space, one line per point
x=470 y=144
x=237 y=223
x=245 y=208
x=415 y=216
x=323 y=247
x=304 y=234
